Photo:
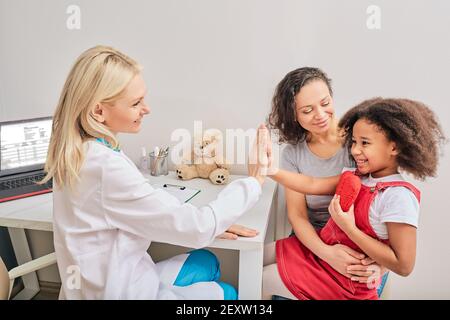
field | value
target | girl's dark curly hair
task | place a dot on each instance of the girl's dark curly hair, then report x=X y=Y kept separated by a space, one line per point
x=410 y=124
x=283 y=114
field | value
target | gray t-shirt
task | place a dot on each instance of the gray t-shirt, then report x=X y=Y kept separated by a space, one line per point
x=299 y=158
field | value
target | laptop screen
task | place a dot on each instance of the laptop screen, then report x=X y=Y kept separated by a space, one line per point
x=24 y=145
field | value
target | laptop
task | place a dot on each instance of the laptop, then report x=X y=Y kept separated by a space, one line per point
x=23 y=151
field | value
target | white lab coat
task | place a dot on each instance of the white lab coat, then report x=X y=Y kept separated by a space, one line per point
x=103 y=228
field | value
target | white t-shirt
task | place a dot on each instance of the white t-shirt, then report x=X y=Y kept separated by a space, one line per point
x=393 y=204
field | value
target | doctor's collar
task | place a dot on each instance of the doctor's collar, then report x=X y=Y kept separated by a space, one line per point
x=106 y=143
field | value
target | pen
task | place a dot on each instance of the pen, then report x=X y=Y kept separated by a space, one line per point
x=164 y=151
x=173 y=185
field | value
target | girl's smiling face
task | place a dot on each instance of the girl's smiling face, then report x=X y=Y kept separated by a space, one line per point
x=126 y=114
x=372 y=151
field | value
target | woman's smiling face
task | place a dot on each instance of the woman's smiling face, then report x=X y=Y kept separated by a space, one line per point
x=314 y=107
x=126 y=114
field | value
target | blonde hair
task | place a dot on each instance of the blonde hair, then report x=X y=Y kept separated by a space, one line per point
x=99 y=75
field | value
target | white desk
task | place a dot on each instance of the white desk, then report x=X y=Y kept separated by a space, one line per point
x=35 y=213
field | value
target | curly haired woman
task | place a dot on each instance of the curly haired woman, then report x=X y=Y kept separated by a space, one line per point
x=384 y=136
x=304 y=115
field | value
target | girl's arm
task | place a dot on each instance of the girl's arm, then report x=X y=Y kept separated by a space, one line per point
x=338 y=256
x=399 y=257
x=261 y=158
x=306 y=184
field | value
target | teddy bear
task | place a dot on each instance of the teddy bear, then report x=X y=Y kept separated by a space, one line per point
x=205 y=160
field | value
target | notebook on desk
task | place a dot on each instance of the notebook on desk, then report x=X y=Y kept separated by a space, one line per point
x=182 y=193
x=23 y=151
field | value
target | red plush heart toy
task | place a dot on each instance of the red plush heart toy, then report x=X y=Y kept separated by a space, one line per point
x=348 y=188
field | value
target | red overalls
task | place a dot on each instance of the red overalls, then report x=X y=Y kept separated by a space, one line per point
x=309 y=277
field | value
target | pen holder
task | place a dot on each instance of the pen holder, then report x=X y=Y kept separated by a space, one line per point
x=158 y=165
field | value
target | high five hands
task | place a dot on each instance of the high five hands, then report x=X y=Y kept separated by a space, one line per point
x=260 y=165
x=260 y=162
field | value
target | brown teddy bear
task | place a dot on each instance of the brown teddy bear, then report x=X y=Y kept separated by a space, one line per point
x=206 y=160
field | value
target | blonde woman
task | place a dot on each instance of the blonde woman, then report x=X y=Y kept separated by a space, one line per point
x=106 y=214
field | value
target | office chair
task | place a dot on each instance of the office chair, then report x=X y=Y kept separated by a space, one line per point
x=7 y=278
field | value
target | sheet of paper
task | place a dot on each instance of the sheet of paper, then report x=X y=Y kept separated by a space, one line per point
x=182 y=193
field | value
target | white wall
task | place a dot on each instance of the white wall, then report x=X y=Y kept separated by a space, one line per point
x=219 y=61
